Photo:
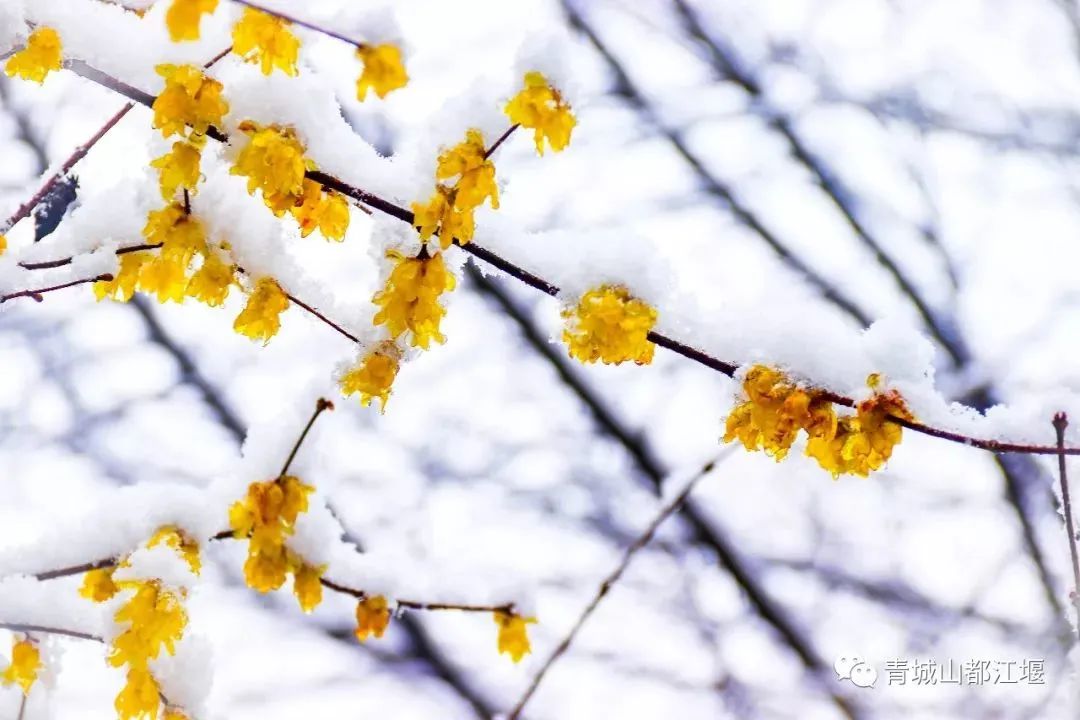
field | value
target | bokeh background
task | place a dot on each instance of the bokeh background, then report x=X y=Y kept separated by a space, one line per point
x=805 y=162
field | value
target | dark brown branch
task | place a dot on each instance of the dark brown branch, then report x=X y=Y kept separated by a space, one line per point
x=326 y=582
x=1061 y=421
x=424 y=648
x=62 y=262
x=321 y=405
x=320 y=316
x=37 y=294
x=24 y=210
x=539 y=283
x=77 y=569
x=302 y=23
x=415 y=604
x=502 y=138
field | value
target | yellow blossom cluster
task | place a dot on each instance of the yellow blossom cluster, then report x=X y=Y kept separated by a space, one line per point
x=189 y=105
x=513 y=638
x=266 y=517
x=182 y=239
x=372 y=617
x=24 y=666
x=863 y=442
x=540 y=107
x=261 y=317
x=373 y=377
x=610 y=325
x=183 y=18
x=155 y=621
x=273 y=161
x=98 y=585
x=42 y=55
x=383 y=70
x=3 y=243
x=410 y=299
x=178 y=168
x=776 y=409
x=325 y=211
x=263 y=38
x=185 y=546
x=450 y=209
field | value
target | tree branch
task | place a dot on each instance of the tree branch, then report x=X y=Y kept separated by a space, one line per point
x=609 y=582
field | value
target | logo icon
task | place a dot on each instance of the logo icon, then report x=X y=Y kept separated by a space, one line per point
x=856 y=669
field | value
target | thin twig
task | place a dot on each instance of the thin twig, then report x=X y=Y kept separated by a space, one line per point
x=502 y=138
x=302 y=23
x=415 y=604
x=609 y=582
x=1061 y=421
x=322 y=317
x=338 y=587
x=321 y=405
x=24 y=628
x=37 y=294
x=24 y=210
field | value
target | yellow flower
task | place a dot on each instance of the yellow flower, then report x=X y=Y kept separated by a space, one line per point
x=610 y=325
x=775 y=411
x=41 y=55
x=181 y=237
x=410 y=300
x=261 y=317
x=327 y=211
x=475 y=173
x=267 y=564
x=307 y=586
x=178 y=168
x=864 y=442
x=266 y=516
x=439 y=215
x=155 y=620
x=541 y=108
x=383 y=70
x=175 y=714
x=24 y=667
x=513 y=638
x=266 y=39
x=183 y=18
x=294 y=499
x=190 y=99
x=372 y=617
x=428 y=216
x=374 y=376
x=272 y=161
x=3 y=243
x=210 y=284
x=165 y=278
x=184 y=545
x=140 y=697
x=122 y=286
x=98 y=585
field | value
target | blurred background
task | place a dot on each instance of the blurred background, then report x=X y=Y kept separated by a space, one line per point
x=829 y=160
